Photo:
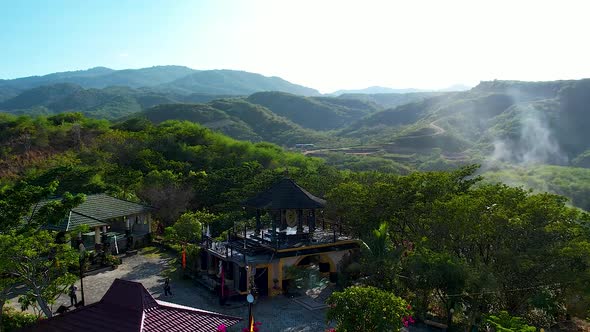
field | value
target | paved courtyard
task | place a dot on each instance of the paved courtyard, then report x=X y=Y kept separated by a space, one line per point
x=278 y=314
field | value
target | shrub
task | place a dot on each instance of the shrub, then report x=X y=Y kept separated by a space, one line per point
x=13 y=320
x=360 y=308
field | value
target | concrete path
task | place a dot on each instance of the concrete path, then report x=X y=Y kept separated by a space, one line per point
x=278 y=314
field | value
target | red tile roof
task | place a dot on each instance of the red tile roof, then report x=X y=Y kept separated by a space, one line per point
x=128 y=306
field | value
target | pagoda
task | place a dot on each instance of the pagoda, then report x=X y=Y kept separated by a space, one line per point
x=290 y=230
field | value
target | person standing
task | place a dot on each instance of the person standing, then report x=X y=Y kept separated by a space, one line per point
x=167 y=290
x=73 y=296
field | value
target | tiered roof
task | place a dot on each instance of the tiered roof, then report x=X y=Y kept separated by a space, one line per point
x=285 y=194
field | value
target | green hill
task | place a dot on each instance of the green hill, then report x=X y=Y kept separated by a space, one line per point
x=390 y=100
x=321 y=113
x=238 y=119
x=109 y=103
x=101 y=77
x=232 y=82
x=169 y=79
x=541 y=122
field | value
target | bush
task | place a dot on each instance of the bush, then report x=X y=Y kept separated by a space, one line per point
x=113 y=260
x=13 y=320
x=503 y=322
x=367 y=309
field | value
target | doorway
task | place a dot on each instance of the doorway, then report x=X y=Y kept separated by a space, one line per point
x=261 y=280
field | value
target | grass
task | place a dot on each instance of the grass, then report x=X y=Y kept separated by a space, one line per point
x=150 y=252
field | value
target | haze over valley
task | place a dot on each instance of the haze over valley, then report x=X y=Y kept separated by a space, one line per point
x=524 y=133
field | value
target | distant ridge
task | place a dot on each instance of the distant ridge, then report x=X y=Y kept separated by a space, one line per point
x=174 y=79
x=381 y=89
x=375 y=90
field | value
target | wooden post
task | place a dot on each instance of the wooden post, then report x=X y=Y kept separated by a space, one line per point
x=283 y=225
x=299 y=221
x=334 y=229
x=273 y=234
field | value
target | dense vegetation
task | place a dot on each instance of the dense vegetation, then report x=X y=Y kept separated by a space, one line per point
x=315 y=113
x=454 y=247
x=175 y=79
x=499 y=124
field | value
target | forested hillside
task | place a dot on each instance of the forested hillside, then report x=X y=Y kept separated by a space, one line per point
x=176 y=79
x=426 y=235
x=499 y=124
x=315 y=113
x=238 y=119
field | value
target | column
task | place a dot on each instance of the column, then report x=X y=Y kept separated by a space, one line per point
x=127 y=226
x=283 y=225
x=273 y=234
x=299 y=221
x=97 y=234
x=312 y=221
x=96 y=237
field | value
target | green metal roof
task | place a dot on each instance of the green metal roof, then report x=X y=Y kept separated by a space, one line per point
x=96 y=210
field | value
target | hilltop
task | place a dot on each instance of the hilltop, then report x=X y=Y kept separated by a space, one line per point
x=176 y=79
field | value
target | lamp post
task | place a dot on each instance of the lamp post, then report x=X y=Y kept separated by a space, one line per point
x=250 y=299
x=82 y=261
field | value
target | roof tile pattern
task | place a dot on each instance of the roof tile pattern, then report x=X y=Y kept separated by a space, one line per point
x=285 y=194
x=96 y=210
x=128 y=306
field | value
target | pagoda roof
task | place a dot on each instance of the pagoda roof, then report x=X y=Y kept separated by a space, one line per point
x=128 y=306
x=285 y=194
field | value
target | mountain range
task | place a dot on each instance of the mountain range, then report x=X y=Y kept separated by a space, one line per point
x=511 y=121
x=527 y=133
x=175 y=79
x=385 y=90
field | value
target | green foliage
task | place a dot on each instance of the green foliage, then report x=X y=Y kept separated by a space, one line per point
x=187 y=229
x=41 y=264
x=503 y=322
x=232 y=82
x=314 y=113
x=366 y=309
x=13 y=320
x=570 y=182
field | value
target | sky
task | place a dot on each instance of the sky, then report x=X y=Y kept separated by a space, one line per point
x=326 y=45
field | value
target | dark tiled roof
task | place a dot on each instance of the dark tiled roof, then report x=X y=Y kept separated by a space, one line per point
x=285 y=194
x=96 y=210
x=127 y=306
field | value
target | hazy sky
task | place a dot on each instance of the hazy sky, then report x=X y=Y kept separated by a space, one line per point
x=327 y=45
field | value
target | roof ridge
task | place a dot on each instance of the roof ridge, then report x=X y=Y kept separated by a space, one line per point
x=122 y=199
x=170 y=305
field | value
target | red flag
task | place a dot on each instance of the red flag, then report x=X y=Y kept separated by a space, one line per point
x=183 y=258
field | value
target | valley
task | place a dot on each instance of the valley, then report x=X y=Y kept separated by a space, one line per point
x=501 y=125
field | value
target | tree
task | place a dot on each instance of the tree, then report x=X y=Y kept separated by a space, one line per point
x=503 y=322
x=165 y=191
x=366 y=309
x=16 y=202
x=381 y=260
x=188 y=228
x=41 y=264
x=438 y=274
x=24 y=252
